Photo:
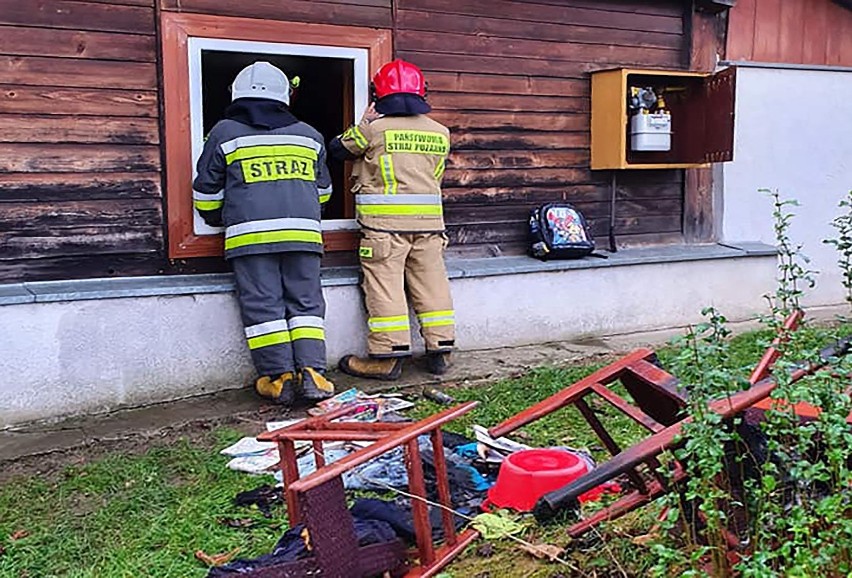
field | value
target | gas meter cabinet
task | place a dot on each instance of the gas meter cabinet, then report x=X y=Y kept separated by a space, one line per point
x=699 y=106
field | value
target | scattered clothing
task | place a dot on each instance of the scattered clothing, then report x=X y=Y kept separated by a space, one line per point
x=493 y=526
x=295 y=545
x=398 y=515
x=263 y=497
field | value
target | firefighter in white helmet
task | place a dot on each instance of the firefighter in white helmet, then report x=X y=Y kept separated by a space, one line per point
x=262 y=175
x=400 y=154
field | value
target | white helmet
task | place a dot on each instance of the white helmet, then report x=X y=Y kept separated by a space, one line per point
x=261 y=80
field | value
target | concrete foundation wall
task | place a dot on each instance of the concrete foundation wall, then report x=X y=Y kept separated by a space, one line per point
x=86 y=356
x=793 y=135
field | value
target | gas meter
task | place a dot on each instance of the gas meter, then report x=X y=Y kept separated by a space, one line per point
x=650 y=121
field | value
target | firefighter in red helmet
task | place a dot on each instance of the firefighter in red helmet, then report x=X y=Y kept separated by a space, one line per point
x=399 y=155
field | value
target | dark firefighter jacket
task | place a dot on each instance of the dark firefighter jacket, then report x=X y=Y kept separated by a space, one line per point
x=264 y=185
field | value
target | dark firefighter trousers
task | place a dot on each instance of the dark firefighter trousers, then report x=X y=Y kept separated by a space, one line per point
x=282 y=307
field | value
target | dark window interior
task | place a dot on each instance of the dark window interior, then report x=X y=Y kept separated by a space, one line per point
x=323 y=99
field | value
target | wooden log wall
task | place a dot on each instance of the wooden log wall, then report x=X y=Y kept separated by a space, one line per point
x=80 y=159
x=510 y=79
x=817 y=32
x=80 y=190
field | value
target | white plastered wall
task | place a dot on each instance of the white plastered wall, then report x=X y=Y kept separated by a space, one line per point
x=76 y=357
x=793 y=134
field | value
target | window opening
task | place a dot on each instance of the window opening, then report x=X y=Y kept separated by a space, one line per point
x=332 y=92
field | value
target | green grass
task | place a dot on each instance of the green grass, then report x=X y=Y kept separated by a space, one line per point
x=131 y=516
x=146 y=515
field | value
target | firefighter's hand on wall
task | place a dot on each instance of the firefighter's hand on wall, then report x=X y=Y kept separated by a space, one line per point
x=370 y=114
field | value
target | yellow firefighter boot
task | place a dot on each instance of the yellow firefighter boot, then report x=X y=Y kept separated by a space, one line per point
x=279 y=390
x=315 y=385
x=386 y=369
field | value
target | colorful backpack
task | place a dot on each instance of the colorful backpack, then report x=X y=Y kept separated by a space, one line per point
x=559 y=231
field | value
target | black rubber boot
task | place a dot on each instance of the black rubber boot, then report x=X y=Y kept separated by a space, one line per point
x=437 y=362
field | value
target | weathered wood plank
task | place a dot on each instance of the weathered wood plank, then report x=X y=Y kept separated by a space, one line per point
x=44 y=187
x=38 y=217
x=515 y=177
x=515 y=103
x=20 y=128
x=80 y=73
x=793 y=31
x=459 y=211
x=507 y=84
x=507 y=121
x=179 y=4
x=105 y=240
x=535 y=195
x=501 y=140
x=658 y=7
x=698 y=223
x=518 y=159
x=61 y=158
x=148 y=3
x=49 y=100
x=293 y=10
x=77 y=16
x=408 y=40
x=86 y=266
x=513 y=10
x=839 y=36
x=569 y=191
x=428 y=60
x=500 y=27
x=845 y=51
x=741 y=21
x=791 y=41
x=27 y=41
x=521 y=247
x=767 y=30
x=814 y=34
x=502 y=232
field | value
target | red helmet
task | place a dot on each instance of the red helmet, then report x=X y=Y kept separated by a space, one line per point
x=397 y=77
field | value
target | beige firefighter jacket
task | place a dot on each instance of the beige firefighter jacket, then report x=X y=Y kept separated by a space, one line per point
x=398 y=171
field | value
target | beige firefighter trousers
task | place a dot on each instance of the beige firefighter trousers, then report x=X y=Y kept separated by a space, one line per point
x=393 y=263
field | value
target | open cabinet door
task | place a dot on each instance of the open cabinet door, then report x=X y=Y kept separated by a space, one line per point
x=719 y=99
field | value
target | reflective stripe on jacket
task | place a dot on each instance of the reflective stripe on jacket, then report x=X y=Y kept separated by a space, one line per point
x=268 y=185
x=398 y=172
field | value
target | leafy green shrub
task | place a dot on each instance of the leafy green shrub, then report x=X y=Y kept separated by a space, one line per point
x=777 y=491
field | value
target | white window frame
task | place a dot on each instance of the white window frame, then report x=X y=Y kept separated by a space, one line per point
x=195 y=45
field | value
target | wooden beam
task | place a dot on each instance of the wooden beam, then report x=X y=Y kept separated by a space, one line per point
x=706 y=46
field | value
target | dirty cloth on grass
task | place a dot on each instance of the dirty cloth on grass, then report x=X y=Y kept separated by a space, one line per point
x=398 y=514
x=467 y=485
x=264 y=497
x=376 y=522
x=293 y=546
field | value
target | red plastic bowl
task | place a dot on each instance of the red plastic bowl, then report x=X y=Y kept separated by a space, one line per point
x=527 y=475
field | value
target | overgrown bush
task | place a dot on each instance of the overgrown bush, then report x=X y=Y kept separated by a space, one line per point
x=767 y=494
